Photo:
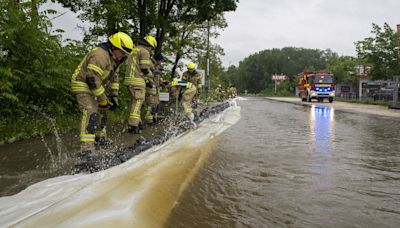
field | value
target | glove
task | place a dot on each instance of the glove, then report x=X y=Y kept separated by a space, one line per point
x=104 y=105
x=114 y=104
x=149 y=83
x=175 y=82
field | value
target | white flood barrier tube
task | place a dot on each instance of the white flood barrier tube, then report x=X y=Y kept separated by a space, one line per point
x=138 y=193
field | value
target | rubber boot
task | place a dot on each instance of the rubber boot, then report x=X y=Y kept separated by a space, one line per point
x=102 y=141
x=134 y=129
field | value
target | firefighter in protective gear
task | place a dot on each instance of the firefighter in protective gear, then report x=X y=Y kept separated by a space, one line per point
x=93 y=78
x=157 y=72
x=137 y=78
x=192 y=76
x=188 y=91
x=231 y=91
x=220 y=93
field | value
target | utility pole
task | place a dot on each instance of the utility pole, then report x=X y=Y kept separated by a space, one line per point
x=208 y=58
x=396 y=80
x=360 y=72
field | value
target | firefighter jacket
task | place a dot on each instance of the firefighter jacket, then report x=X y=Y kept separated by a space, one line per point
x=193 y=77
x=139 y=67
x=97 y=72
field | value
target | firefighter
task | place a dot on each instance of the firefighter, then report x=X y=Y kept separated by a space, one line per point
x=139 y=76
x=152 y=90
x=231 y=91
x=96 y=74
x=192 y=76
x=234 y=91
x=220 y=93
x=158 y=70
x=188 y=91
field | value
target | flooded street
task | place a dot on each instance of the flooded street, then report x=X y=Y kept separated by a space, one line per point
x=265 y=164
x=286 y=165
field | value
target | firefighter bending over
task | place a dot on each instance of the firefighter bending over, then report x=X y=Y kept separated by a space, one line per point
x=188 y=91
x=192 y=76
x=231 y=91
x=138 y=76
x=95 y=75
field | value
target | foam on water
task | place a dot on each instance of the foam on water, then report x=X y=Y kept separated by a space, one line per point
x=138 y=193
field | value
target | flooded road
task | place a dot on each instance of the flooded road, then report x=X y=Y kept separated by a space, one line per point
x=279 y=165
x=286 y=165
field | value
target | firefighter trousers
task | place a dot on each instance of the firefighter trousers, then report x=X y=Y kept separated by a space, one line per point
x=137 y=96
x=151 y=103
x=93 y=121
x=187 y=98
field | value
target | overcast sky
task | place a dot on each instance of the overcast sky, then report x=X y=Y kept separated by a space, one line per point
x=263 y=24
x=336 y=24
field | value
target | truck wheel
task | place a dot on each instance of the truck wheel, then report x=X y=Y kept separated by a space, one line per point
x=330 y=99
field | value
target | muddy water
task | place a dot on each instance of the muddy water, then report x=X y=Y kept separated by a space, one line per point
x=281 y=165
x=138 y=193
x=285 y=165
x=29 y=161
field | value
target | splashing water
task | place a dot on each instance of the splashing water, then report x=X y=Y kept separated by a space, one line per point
x=58 y=160
x=138 y=193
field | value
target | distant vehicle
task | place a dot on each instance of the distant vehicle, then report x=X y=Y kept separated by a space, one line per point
x=316 y=85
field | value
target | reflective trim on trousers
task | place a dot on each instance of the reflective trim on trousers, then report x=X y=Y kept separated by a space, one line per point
x=115 y=86
x=136 y=82
x=187 y=107
x=136 y=111
x=87 y=137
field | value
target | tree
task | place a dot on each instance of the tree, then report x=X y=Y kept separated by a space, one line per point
x=343 y=68
x=190 y=42
x=255 y=71
x=35 y=67
x=145 y=16
x=382 y=51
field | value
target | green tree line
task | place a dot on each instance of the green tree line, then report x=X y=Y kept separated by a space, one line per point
x=380 y=52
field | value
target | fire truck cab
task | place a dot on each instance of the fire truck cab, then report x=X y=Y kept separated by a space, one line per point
x=316 y=85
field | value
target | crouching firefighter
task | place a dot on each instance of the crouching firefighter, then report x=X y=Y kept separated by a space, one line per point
x=188 y=91
x=138 y=77
x=96 y=74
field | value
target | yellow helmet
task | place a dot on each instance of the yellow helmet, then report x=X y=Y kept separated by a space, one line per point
x=122 y=41
x=151 y=40
x=191 y=66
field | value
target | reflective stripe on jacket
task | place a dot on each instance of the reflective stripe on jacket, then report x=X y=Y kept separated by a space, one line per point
x=96 y=73
x=138 y=60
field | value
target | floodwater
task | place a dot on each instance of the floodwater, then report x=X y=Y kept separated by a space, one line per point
x=29 y=161
x=280 y=165
x=285 y=165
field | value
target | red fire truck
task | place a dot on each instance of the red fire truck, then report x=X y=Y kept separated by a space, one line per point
x=316 y=85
